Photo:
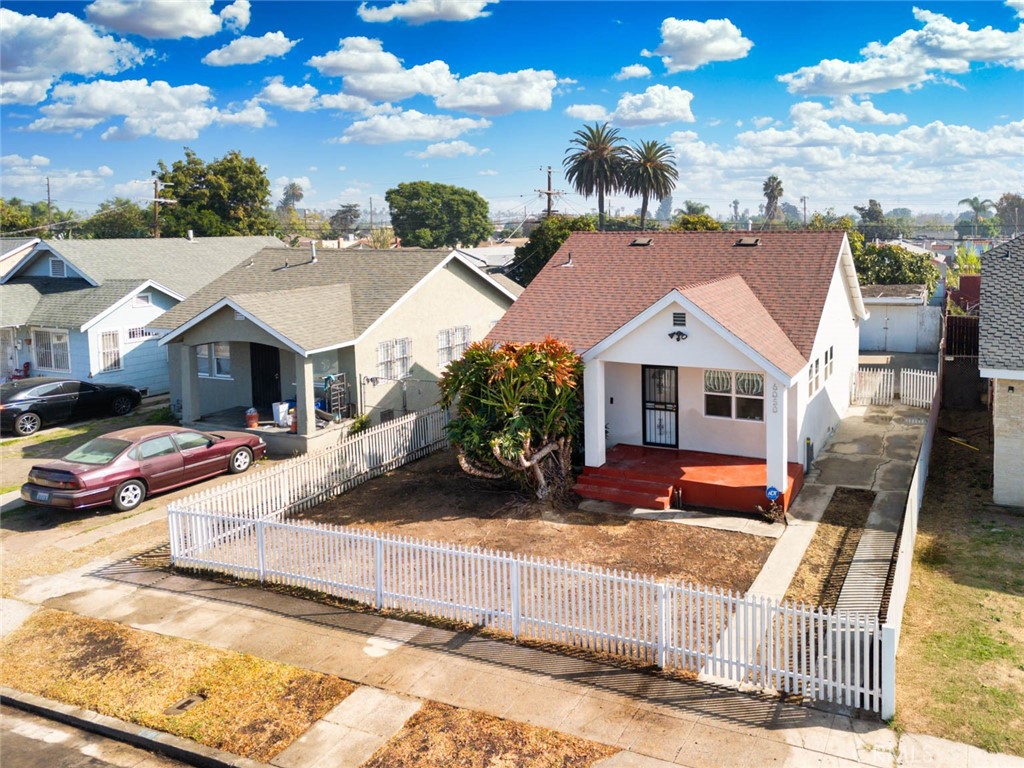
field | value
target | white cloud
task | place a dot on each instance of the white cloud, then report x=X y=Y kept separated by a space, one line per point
x=410 y=125
x=251 y=115
x=449 y=149
x=430 y=79
x=1017 y=5
x=296 y=98
x=845 y=109
x=488 y=172
x=940 y=48
x=762 y=122
x=342 y=168
x=714 y=122
x=250 y=50
x=167 y=19
x=489 y=93
x=35 y=51
x=658 y=105
x=17 y=161
x=425 y=11
x=355 y=55
x=346 y=103
x=687 y=45
x=633 y=71
x=149 y=109
x=587 y=112
x=25 y=176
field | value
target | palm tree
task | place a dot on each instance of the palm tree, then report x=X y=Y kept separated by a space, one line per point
x=772 y=189
x=292 y=194
x=979 y=207
x=649 y=169
x=595 y=163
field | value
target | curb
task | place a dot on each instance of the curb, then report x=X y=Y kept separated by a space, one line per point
x=166 y=744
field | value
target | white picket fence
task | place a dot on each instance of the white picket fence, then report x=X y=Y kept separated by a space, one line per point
x=877 y=386
x=242 y=529
x=918 y=387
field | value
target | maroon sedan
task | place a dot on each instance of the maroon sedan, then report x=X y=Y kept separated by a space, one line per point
x=121 y=468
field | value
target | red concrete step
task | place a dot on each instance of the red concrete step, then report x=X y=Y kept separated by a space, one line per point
x=646 y=474
x=626 y=483
x=630 y=498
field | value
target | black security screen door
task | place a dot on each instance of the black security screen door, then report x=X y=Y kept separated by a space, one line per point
x=266 y=375
x=661 y=405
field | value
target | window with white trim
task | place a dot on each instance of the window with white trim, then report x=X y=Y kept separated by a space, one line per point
x=58 y=268
x=394 y=359
x=141 y=333
x=817 y=373
x=452 y=343
x=110 y=351
x=51 y=350
x=143 y=300
x=830 y=360
x=734 y=395
x=214 y=360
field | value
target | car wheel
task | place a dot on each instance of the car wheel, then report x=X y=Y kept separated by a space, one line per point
x=241 y=460
x=129 y=495
x=27 y=424
x=122 y=405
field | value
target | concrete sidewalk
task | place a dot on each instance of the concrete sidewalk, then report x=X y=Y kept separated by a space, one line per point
x=654 y=720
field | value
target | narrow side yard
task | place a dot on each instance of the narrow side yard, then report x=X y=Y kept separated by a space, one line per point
x=960 y=670
x=434 y=499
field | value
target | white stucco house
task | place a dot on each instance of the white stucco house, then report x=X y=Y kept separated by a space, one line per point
x=1001 y=360
x=384 y=322
x=726 y=355
x=900 y=319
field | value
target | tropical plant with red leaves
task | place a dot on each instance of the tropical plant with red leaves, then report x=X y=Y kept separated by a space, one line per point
x=517 y=411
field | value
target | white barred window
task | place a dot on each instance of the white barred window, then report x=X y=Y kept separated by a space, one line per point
x=51 y=350
x=394 y=359
x=110 y=351
x=139 y=334
x=452 y=343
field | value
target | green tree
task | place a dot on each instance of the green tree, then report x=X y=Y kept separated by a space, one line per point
x=34 y=220
x=695 y=222
x=772 y=189
x=345 y=219
x=875 y=225
x=117 y=218
x=693 y=208
x=894 y=265
x=517 y=412
x=828 y=220
x=1010 y=210
x=546 y=238
x=980 y=208
x=649 y=170
x=15 y=216
x=593 y=164
x=429 y=215
x=381 y=238
x=228 y=196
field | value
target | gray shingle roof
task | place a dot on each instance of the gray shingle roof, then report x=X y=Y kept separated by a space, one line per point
x=8 y=244
x=1001 y=332
x=182 y=265
x=313 y=295
x=63 y=302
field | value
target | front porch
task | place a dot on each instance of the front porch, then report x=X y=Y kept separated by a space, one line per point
x=660 y=478
x=281 y=441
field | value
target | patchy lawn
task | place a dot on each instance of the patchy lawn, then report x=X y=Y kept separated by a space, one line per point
x=819 y=579
x=442 y=735
x=960 y=670
x=252 y=707
x=434 y=499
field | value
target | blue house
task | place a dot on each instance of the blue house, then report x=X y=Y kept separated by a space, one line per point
x=82 y=308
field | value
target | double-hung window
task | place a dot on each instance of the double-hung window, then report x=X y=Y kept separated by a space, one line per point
x=734 y=395
x=452 y=343
x=51 y=350
x=110 y=351
x=394 y=359
x=214 y=360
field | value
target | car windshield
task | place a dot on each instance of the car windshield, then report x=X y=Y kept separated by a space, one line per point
x=102 y=450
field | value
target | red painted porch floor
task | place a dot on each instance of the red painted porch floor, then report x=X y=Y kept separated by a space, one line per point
x=660 y=478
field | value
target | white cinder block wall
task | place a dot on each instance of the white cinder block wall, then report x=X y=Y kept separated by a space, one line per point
x=1008 y=427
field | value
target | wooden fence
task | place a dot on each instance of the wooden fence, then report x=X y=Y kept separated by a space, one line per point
x=873 y=386
x=917 y=388
x=242 y=529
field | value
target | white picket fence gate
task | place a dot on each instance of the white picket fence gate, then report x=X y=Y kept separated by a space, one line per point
x=917 y=388
x=877 y=386
x=242 y=529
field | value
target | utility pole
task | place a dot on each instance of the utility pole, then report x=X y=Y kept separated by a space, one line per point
x=157 y=186
x=49 y=209
x=804 y=201
x=549 y=192
x=371 y=214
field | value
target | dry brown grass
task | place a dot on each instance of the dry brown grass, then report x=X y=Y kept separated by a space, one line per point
x=253 y=707
x=823 y=569
x=440 y=735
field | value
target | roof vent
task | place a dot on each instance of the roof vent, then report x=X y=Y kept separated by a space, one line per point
x=749 y=242
x=641 y=242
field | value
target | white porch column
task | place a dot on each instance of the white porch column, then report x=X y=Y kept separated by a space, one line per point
x=593 y=413
x=305 y=407
x=776 y=433
x=190 y=405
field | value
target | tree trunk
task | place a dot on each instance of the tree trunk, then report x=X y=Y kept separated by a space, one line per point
x=600 y=208
x=643 y=211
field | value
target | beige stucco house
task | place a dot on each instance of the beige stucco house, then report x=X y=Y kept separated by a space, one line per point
x=382 y=325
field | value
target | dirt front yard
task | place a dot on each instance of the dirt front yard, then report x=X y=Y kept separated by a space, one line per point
x=434 y=499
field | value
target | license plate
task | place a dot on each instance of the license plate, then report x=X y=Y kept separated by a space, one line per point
x=42 y=495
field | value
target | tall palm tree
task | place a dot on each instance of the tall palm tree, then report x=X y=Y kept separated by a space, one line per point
x=772 y=189
x=594 y=163
x=979 y=207
x=649 y=169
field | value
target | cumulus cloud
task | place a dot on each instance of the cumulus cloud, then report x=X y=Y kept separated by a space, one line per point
x=167 y=19
x=633 y=71
x=410 y=125
x=1017 y=5
x=296 y=98
x=25 y=176
x=658 y=105
x=587 y=112
x=941 y=47
x=845 y=109
x=489 y=93
x=250 y=50
x=762 y=122
x=687 y=45
x=250 y=115
x=450 y=149
x=425 y=11
x=35 y=51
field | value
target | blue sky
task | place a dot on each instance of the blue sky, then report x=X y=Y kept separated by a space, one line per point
x=915 y=104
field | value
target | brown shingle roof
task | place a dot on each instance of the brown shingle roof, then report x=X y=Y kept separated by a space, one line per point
x=610 y=282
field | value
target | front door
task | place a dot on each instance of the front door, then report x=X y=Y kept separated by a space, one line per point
x=265 y=364
x=661 y=405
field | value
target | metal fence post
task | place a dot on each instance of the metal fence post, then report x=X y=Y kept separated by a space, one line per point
x=661 y=606
x=378 y=573
x=888 y=682
x=516 y=600
x=261 y=557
